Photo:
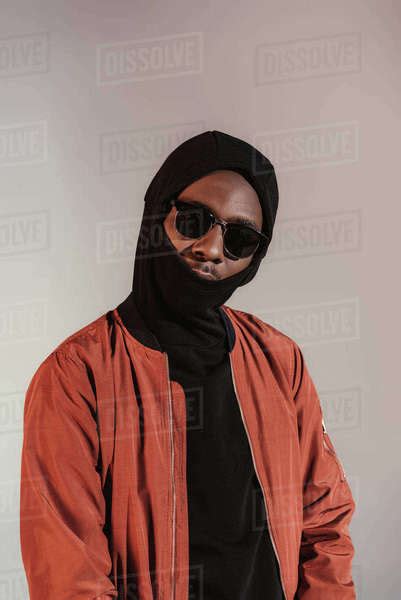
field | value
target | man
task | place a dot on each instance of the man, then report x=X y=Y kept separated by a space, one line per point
x=175 y=448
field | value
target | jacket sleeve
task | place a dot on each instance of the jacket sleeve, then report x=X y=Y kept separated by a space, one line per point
x=326 y=553
x=62 y=508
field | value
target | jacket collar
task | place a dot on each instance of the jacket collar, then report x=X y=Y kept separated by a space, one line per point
x=137 y=327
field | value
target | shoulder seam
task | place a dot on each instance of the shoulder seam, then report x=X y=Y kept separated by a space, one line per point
x=67 y=356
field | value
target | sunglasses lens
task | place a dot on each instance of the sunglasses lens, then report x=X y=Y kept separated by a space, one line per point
x=241 y=241
x=192 y=221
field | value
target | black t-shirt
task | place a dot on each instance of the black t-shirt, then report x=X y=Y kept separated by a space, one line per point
x=231 y=556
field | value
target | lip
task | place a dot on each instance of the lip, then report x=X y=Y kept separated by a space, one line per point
x=199 y=272
x=203 y=274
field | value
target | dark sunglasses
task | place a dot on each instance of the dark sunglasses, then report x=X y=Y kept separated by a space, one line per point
x=195 y=220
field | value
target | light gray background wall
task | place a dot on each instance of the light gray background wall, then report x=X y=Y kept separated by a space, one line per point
x=83 y=127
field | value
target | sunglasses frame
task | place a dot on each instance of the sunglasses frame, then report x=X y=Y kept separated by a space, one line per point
x=224 y=225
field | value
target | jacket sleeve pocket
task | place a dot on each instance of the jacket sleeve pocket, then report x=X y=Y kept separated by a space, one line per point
x=62 y=508
x=326 y=553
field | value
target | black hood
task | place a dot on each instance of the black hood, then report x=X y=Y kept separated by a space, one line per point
x=164 y=286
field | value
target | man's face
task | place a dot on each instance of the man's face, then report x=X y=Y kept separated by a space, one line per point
x=230 y=197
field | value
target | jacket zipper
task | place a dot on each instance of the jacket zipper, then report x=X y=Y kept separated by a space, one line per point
x=172 y=477
x=257 y=474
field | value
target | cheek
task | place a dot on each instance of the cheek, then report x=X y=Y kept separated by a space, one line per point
x=238 y=265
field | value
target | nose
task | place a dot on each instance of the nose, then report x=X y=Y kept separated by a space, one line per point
x=210 y=246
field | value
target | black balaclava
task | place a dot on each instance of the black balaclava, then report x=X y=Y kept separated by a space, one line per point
x=178 y=306
x=182 y=311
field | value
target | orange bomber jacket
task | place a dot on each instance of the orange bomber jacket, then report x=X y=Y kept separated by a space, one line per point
x=103 y=505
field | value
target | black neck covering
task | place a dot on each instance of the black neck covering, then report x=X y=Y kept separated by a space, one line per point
x=178 y=306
